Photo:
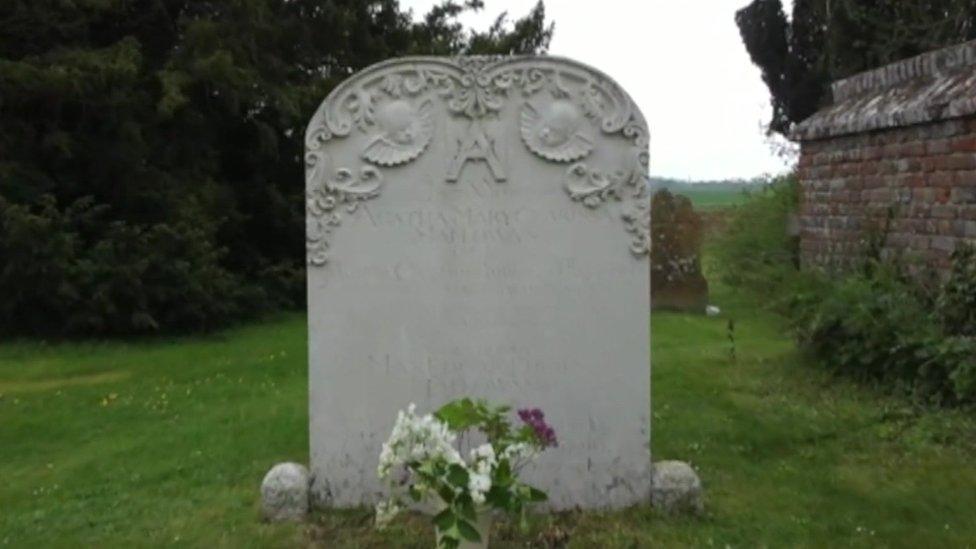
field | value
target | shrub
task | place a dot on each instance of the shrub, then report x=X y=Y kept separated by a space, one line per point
x=957 y=300
x=873 y=323
x=759 y=248
x=65 y=272
x=876 y=325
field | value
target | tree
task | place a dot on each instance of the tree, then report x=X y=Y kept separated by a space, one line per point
x=825 y=40
x=180 y=121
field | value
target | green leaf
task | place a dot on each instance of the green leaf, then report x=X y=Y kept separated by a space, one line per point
x=446 y=493
x=465 y=507
x=449 y=541
x=458 y=476
x=503 y=473
x=499 y=497
x=415 y=494
x=537 y=495
x=445 y=520
x=459 y=414
x=468 y=531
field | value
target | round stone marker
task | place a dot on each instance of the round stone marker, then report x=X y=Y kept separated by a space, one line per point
x=676 y=488
x=284 y=493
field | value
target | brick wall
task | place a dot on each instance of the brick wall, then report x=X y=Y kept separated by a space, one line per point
x=919 y=182
x=892 y=160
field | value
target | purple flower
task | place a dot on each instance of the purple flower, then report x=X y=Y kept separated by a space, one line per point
x=544 y=434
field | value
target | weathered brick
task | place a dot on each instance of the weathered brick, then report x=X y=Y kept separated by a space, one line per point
x=873 y=181
x=919 y=242
x=898 y=240
x=960 y=161
x=969 y=231
x=941 y=179
x=902 y=195
x=923 y=196
x=944 y=211
x=964 y=144
x=887 y=167
x=966 y=178
x=967 y=211
x=904 y=165
x=868 y=168
x=880 y=195
x=916 y=148
x=963 y=195
x=891 y=150
x=938 y=147
x=944 y=243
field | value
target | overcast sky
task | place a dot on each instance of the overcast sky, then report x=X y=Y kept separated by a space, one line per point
x=683 y=63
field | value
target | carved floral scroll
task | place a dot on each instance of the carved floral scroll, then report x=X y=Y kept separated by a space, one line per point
x=563 y=108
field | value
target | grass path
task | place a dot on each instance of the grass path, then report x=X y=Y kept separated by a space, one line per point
x=165 y=443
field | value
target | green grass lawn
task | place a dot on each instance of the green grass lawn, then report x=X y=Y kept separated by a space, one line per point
x=165 y=443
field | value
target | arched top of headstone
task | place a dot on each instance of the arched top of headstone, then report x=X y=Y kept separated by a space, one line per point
x=392 y=114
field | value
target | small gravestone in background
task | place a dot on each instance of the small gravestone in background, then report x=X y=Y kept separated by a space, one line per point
x=480 y=227
x=677 y=282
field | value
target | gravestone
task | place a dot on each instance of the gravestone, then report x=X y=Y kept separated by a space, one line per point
x=480 y=227
x=677 y=232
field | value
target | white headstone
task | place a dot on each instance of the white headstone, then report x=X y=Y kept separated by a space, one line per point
x=480 y=227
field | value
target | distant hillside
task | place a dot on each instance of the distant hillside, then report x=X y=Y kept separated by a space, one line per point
x=710 y=195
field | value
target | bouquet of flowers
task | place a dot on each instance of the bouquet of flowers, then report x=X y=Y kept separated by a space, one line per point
x=422 y=462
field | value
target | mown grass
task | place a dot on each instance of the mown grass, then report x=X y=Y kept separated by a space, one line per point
x=165 y=443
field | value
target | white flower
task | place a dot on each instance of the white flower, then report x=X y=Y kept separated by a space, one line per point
x=386 y=461
x=417 y=439
x=483 y=459
x=386 y=511
x=478 y=485
x=518 y=452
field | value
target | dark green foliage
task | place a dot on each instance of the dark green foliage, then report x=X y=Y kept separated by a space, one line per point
x=151 y=150
x=957 y=301
x=70 y=272
x=878 y=325
x=829 y=39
